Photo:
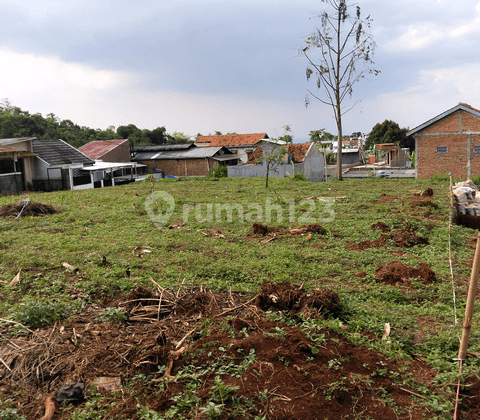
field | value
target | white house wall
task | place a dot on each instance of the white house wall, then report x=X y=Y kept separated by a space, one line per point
x=41 y=167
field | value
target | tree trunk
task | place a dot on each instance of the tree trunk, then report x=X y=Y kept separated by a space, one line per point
x=339 y=149
x=338 y=108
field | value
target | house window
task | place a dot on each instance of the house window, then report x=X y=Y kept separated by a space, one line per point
x=442 y=149
x=476 y=149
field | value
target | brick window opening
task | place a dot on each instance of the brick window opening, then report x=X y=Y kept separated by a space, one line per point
x=476 y=149
x=442 y=149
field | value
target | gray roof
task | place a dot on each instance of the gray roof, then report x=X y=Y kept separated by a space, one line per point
x=193 y=153
x=460 y=106
x=163 y=147
x=59 y=152
x=15 y=140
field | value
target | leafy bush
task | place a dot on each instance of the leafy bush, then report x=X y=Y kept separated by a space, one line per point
x=331 y=158
x=38 y=313
x=218 y=171
x=298 y=177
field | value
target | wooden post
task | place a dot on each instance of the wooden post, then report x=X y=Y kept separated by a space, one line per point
x=472 y=290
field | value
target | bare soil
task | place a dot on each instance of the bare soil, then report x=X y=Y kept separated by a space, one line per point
x=295 y=374
x=397 y=272
x=402 y=237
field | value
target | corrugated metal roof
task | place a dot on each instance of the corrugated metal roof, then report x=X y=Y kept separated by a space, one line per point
x=96 y=149
x=16 y=140
x=193 y=153
x=58 y=152
x=101 y=166
x=223 y=158
x=163 y=147
x=9 y=149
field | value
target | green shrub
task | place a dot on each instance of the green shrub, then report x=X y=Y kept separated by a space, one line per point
x=298 y=177
x=218 y=171
x=331 y=158
x=38 y=313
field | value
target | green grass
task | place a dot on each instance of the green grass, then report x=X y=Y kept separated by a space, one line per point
x=98 y=231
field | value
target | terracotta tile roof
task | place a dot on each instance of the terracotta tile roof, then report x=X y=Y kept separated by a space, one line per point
x=233 y=139
x=298 y=150
x=96 y=149
x=385 y=146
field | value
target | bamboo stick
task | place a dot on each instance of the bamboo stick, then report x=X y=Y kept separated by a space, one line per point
x=467 y=323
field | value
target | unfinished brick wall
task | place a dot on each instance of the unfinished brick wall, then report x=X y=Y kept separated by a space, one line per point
x=459 y=133
x=183 y=167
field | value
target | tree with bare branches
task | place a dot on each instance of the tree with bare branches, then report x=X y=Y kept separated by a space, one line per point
x=339 y=53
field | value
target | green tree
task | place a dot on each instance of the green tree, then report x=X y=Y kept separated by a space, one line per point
x=320 y=135
x=287 y=137
x=344 y=52
x=179 y=138
x=157 y=136
x=389 y=132
x=17 y=123
x=273 y=157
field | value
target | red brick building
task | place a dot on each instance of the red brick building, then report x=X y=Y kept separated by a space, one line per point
x=450 y=142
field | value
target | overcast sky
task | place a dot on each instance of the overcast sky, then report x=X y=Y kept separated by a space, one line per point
x=198 y=66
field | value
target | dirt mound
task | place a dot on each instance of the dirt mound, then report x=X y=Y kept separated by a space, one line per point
x=29 y=208
x=397 y=272
x=425 y=193
x=314 y=228
x=363 y=245
x=259 y=229
x=424 y=203
x=293 y=298
x=402 y=237
x=406 y=237
x=381 y=226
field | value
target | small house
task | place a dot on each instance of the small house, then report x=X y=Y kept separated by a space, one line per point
x=16 y=164
x=57 y=166
x=449 y=142
x=394 y=155
x=183 y=159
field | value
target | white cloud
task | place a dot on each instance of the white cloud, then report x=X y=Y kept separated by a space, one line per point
x=422 y=35
x=28 y=72
x=437 y=91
